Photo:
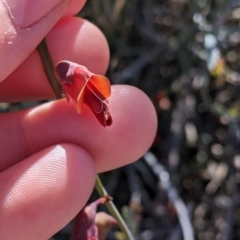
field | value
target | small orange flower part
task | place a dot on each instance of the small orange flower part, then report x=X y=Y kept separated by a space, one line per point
x=84 y=87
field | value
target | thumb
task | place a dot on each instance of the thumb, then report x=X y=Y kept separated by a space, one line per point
x=42 y=193
x=23 y=24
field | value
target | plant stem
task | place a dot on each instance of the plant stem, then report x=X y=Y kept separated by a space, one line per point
x=113 y=210
x=49 y=68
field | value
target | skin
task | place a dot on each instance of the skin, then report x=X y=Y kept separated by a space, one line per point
x=50 y=154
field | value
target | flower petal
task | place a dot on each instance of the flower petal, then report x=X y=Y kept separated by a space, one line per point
x=83 y=72
x=80 y=81
x=98 y=107
x=75 y=91
x=103 y=118
x=102 y=84
x=84 y=226
x=80 y=99
x=95 y=91
x=93 y=101
x=64 y=72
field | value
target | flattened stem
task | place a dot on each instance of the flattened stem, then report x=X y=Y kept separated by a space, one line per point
x=49 y=68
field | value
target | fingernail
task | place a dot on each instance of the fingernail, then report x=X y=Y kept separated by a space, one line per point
x=26 y=13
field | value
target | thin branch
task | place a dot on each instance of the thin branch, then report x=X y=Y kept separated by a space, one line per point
x=113 y=210
x=49 y=68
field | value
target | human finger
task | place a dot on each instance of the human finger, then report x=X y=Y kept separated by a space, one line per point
x=42 y=193
x=129 y=137
x=73 y=39
x=23 y=24
x=74 y=7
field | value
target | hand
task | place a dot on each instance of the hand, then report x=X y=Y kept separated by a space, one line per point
x=50 y=154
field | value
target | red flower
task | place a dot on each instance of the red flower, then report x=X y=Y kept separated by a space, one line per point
x=82 y=86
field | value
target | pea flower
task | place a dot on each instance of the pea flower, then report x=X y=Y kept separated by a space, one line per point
x=84 y=87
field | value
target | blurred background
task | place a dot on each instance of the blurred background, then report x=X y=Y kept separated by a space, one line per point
x=184 y=54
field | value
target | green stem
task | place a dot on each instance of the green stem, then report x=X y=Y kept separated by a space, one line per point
x=113 y=210
x=49 y=68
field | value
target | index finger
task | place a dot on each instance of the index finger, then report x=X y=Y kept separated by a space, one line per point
x=127 y=139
